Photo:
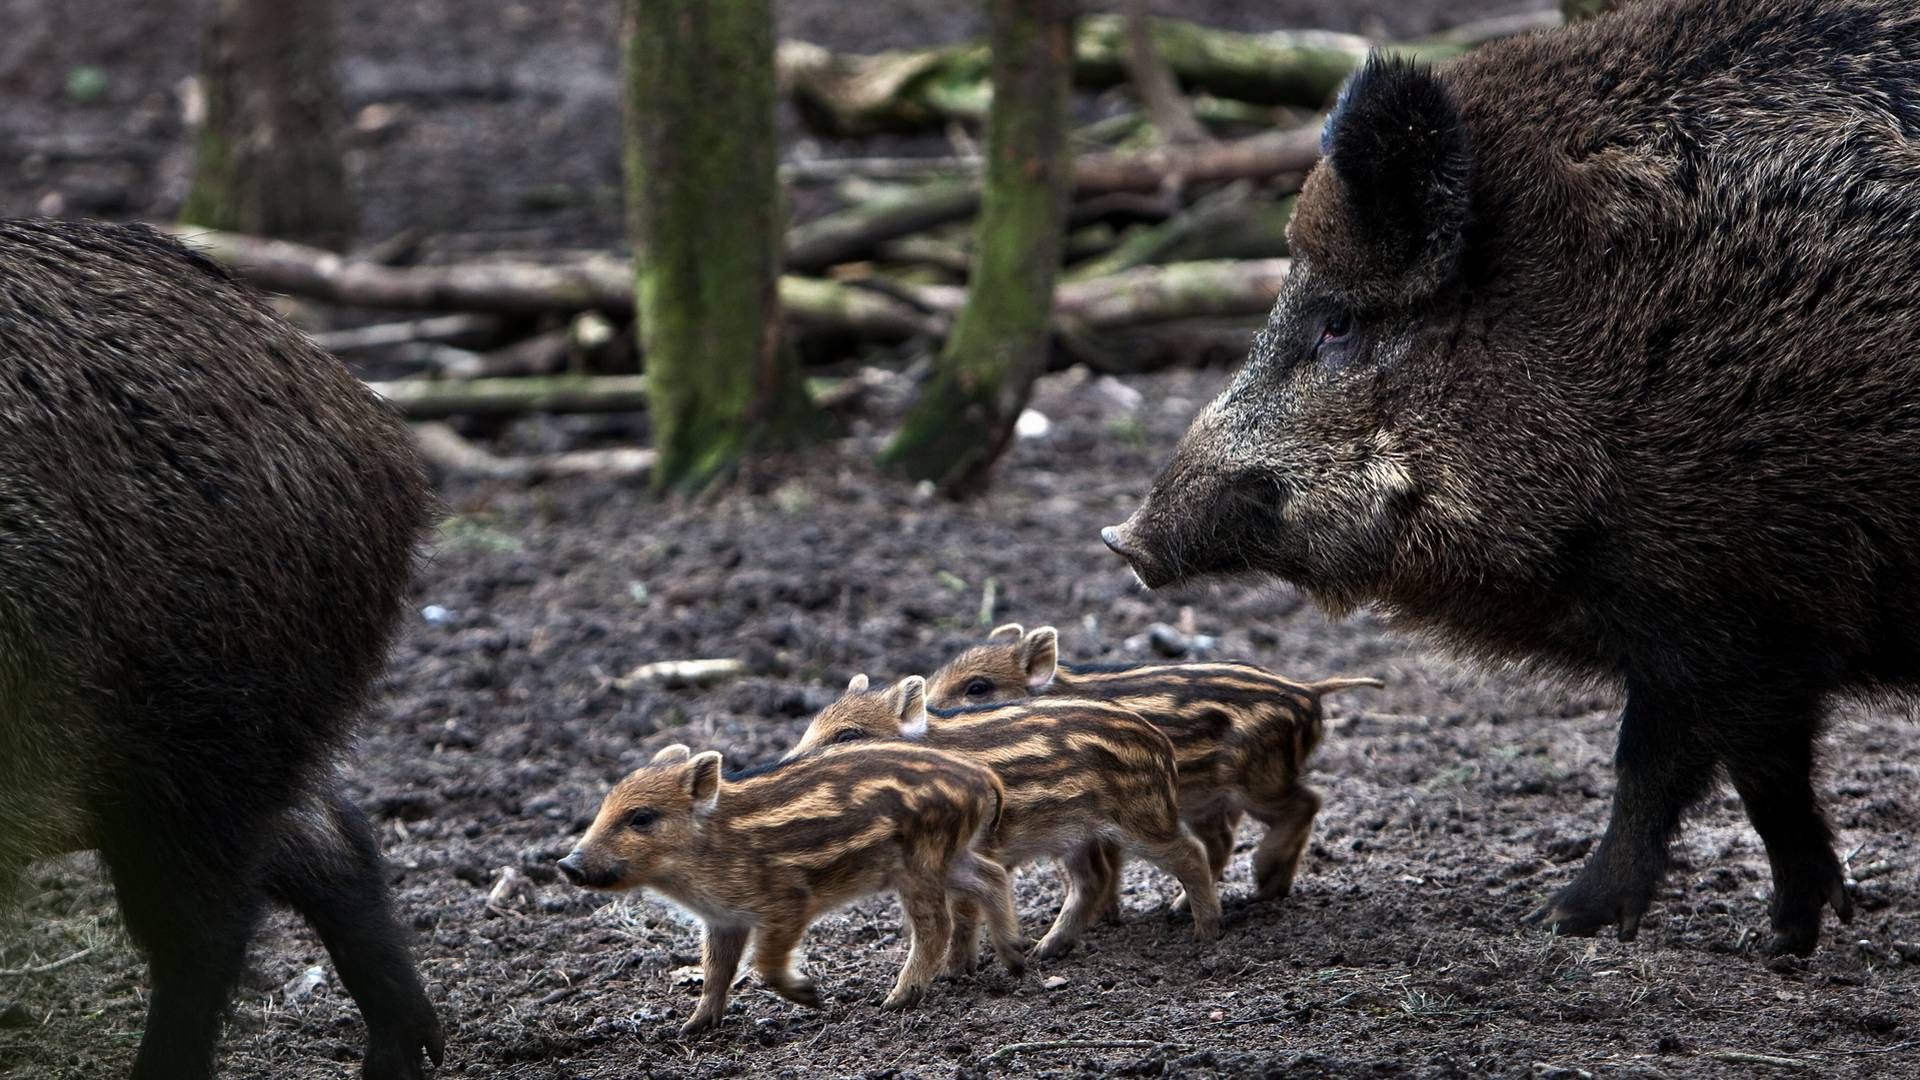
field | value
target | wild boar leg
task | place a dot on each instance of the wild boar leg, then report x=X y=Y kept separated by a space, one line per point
x=1215 y=830
x=1181 y=854
x=191 y=906
x=924 y=899
x=774 y=941
x=1775 y=782
x=986 y=884
x=720 y=949
x=1083 y=892
x=1109 y=867
x=1661 y=768
x=1278 y=857
x=963 y=950
x=328 y=869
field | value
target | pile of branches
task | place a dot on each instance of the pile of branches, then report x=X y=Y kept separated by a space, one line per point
x=1176 y=247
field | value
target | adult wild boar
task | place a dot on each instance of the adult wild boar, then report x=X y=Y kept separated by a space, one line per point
x=206 y=531
x=1601 y=352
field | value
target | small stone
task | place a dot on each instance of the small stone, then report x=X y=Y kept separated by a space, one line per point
x=15 y=1015
x=301 y=986
x=1032 y=424
x=1168 y=641
x=691 y=975
x=1054 y=982
x=435 y=614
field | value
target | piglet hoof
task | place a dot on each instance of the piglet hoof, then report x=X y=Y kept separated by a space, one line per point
x=1052 y=947
x=394 y=1051
x=702 y=1022
x=904 y=997
x=1180 y=904
x=961 y=962
x=799 y=990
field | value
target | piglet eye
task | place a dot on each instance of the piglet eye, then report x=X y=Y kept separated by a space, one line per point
x=642 y=819
x=847 y=736
x=1338 y=325
x=979 y=688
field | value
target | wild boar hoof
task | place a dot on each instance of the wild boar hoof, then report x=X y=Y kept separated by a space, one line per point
x=394 y=1049
x=904 y=997
x=1798 y=911
x=1576 y=911
x=1051 y=947
x=701 y=1022
x=800 y=991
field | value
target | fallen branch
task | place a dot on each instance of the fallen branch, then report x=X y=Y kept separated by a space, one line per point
x=42 y=969
x=680 y=673
x=855 y=233
x=1228 y=224
x=444 y=448
x=601 y=283
x=385 y=335
x=917 y=90
x=1076 y=1044
x=430 y=399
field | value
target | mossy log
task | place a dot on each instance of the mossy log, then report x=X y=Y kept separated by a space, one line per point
x=853 y=94
x=528 y=289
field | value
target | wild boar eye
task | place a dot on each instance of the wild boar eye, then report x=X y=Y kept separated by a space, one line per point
x=642 y=819
x=1337 y=327
x=979 y=688
x=847 y=736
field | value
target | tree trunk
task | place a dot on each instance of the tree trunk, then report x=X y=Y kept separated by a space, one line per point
x=998 y=346
x=267 y=159
x=703 y=199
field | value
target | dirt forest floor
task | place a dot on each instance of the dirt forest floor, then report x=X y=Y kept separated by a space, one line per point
x=1455 y=798
x=1454 y=802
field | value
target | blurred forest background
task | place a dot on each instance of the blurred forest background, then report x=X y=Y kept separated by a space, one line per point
x=490 y=168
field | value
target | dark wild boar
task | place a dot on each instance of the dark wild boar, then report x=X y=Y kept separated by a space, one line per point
x=1601 y=352
x=765 y=852
x=1080 y=776
x=1241 y=736
x=206 y=531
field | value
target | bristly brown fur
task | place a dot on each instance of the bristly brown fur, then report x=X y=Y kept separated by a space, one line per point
x=1241 y=736
x=1078 y=774
x=762 y=854
x=1654 y=423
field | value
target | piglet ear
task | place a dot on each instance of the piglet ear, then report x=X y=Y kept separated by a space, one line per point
x=670 y=754
x=1040 y=656
x=703 y=780
x=1012 y=629
x=909 y=700
x=1391 y=215
x=857 y=684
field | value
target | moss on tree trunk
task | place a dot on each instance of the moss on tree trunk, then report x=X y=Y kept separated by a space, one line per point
x=267 y=160
x=965 y=418
x=703 y=201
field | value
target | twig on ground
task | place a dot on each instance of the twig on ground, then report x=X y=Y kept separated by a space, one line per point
x=55 y=965
x=1076 y=1044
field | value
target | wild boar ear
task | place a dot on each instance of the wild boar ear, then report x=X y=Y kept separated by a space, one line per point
x=703 y=780
x=1040 y=656
x=909 y=701
x=670 y=754
x=857 y=684
x=1013 y=629
x=1399 y=157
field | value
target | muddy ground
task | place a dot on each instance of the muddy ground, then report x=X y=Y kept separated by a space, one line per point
x=1455 y=801
x=1456 y=798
